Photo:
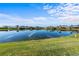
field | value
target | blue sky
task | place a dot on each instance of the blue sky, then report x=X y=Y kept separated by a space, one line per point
x=43 y=14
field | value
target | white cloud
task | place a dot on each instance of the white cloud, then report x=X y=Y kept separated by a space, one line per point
x=64 y=12
x=59 y=14
x=6 y=19
x=40 y=18
x=62 y=9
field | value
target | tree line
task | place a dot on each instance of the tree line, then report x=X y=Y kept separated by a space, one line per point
x=60 y=27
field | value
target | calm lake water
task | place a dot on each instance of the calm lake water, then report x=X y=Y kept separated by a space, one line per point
x=9 y=36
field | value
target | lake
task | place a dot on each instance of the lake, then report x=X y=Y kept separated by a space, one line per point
x=10 y=36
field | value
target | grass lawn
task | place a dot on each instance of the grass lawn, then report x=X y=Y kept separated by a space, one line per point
x=47 y=47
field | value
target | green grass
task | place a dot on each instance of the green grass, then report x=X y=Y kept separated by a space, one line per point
x=47 y=47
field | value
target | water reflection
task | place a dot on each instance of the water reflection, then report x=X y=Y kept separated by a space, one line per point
x=9 y=36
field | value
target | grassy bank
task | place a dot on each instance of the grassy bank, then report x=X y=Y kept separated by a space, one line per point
x=54 y=46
